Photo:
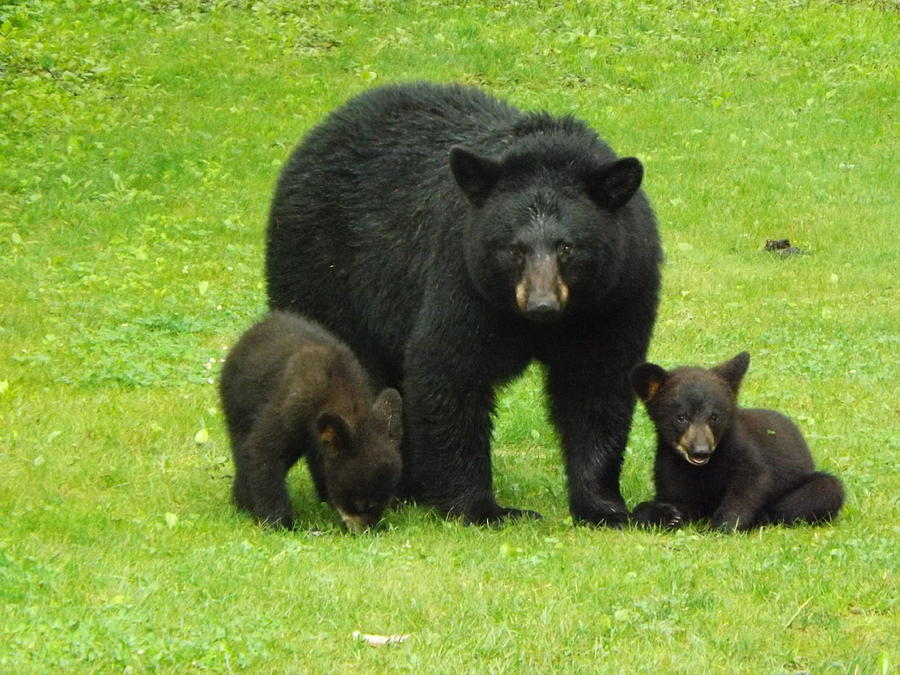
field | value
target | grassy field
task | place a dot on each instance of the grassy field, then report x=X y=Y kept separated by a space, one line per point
x=139 y=144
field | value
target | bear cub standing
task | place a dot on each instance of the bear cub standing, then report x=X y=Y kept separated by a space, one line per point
x=289 y=389
x=738 y=467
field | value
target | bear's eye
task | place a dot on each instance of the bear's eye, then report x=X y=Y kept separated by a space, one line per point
x=565 y=249
x=681 y=419
x=714 y=418
x=516 y=254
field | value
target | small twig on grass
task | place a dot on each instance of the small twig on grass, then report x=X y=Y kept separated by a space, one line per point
x=379 y=640
x=796 y=614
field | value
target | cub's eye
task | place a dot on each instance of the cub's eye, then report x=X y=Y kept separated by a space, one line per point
x=714 y=418
x=565 y=249
x=364 y=506
x=681 y=419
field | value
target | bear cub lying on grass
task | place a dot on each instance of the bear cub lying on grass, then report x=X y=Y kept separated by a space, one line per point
x=738 y=467
x=289 y=389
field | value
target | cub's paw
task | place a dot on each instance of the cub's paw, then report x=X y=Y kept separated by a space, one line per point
x=670 y=516
x=658 y=514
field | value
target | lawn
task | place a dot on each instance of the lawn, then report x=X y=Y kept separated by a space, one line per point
x=139 y=146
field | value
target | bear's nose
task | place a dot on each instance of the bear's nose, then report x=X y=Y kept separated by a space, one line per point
x=542 y=309
x=700 y=446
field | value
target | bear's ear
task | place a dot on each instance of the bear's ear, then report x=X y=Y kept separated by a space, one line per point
x=475 y=175
x=334 y=434
x=733 y=371
x=612 y=185
x=647 y=379
x=389 y=407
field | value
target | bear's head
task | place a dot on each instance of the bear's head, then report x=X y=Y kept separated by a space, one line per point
x=544 y=231
x=362 y=462
x=691 y=408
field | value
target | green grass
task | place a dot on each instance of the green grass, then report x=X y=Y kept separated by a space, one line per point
x=139 y=144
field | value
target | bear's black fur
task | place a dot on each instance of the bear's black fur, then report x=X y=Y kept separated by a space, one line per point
x=450 y=239
x=289 y=389
x=740 y=468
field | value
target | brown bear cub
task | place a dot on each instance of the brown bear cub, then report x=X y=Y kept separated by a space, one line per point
x=737 y=467
x=289 y=389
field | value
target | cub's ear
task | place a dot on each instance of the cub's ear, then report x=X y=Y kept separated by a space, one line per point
x=612 y=185
x=647 y=379
x=733 y=371
x=389 y=407
x=334 y=434
x=475 y=175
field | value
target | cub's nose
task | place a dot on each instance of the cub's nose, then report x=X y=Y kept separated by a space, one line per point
x=699 y=455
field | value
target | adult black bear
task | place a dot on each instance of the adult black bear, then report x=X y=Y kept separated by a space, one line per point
x=738 y=467
x=450 y=239
x=289 y=388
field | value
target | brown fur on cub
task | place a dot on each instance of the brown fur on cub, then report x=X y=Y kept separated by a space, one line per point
x=738 y=467
x=290 y=389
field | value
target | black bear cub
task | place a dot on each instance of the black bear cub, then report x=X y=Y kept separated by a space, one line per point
x=289 y=389
x=738 y=467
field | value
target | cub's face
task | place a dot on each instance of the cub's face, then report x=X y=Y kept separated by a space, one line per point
x=360 y=488
x=691 y=408
x=692 y=411
x=362 y=464
x=541 y=237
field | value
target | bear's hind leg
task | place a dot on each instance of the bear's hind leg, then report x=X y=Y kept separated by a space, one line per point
x=271 y=503
x=817 y=499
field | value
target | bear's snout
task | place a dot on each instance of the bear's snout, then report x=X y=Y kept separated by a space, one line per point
x=697 y=444
x=541 y=294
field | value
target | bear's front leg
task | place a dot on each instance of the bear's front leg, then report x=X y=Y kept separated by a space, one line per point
x=592 y=403
x=731 y=521
x=739 y=510
x=448 y=398
x=594 y=430
x=262 y=462
x=745 y=496
x=447 y=459
x=271 y=505
x=593 y=464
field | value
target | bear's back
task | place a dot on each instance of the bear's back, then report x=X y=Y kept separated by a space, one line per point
x=782 y=445
x=421 y=118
